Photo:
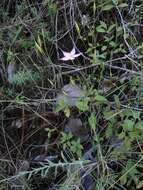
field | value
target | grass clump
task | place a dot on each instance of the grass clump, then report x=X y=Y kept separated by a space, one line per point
x=23 y=78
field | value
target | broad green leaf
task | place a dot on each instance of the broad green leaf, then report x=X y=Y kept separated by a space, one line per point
x=82 y=105
x=109 y=114
x=103 y=24
x=122 y=5
x=128 y=125
x=139 y=125
x=130 y=113
x=100 y=29
x=100 y=98
x=136 y=114
x=107 y=7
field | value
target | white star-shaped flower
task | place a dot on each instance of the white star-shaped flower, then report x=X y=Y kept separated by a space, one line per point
x=70 y=55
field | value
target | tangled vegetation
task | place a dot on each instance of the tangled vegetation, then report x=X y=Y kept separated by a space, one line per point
x=71 y=95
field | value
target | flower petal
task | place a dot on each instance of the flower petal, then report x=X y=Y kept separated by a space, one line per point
x=66 y=54
x=77 y=55
x=67 y=58
x=64 y=58
x=70 y=55
x=72 y=51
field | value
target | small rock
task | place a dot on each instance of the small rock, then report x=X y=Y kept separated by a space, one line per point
x=70 y=94
x=88 y=182
x=10 y=72
x=75 y=126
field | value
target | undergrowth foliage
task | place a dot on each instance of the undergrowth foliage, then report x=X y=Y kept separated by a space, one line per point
x=71 y=94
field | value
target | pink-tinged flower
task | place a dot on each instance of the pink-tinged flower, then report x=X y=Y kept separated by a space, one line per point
x=70 y=55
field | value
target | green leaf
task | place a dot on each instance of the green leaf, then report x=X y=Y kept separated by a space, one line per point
x=100 y=98
x=108 y=114
x=139 y=125
x=130 y=113
x=92 y=122
x=109 y=131
x=128 y=125
x=136 y=114
x=104 y=48
x=134 y=135
x=107 y=7
x=117 y=101
x=127 y=144
x=121 y=135
x=119 y=29
x=111 y=27
x=103 y=24
x=122 y=5
x=113 y=44
x=82 y=105
x=61 y=106
x=100 y=29
x=67 y=112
